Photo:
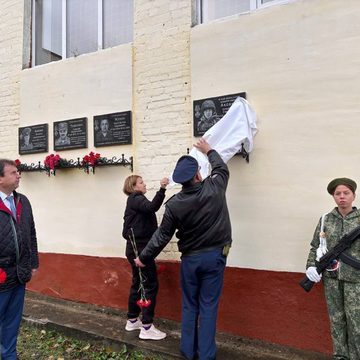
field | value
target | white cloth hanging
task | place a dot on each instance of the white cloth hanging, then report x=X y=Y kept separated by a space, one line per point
x=235 y=129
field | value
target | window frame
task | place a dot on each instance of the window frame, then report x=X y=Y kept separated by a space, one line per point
x=254 y=5
x=100 y=30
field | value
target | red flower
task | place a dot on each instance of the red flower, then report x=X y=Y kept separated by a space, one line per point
x=2 y=276
x=17 y=162
x=143 y=303
x=51 y=161
x=91 y=159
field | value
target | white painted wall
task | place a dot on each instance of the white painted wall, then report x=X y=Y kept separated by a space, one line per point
x=78 y=213
x=298 y=63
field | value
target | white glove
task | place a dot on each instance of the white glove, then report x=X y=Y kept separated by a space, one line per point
x=312 y=274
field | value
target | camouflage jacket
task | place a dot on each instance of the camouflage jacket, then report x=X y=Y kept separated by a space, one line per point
x=335 y=226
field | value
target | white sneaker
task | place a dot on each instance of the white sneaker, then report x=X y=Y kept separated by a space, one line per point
x=151 y=334
x=131 y=326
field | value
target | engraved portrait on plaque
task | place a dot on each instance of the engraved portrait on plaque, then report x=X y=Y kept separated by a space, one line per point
x=207 y=112
x=70 y=134
x=33 y=139
x=112 y=129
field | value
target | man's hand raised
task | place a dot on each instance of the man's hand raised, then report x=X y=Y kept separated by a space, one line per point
x=203 y=146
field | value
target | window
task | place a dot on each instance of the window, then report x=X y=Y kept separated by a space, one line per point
x=66 y=28
x=215 y=9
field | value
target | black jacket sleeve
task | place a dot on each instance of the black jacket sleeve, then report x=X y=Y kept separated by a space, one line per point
x=142 y=204
x=160 y=238
x=219 y=170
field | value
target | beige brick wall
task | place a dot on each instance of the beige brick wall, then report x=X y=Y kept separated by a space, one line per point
x=161 y=74
x=11 y=34
x=161 y=98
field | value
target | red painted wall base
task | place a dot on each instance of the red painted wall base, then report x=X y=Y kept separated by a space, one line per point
x=265 y=305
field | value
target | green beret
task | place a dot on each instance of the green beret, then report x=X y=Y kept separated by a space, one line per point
x=351 y=184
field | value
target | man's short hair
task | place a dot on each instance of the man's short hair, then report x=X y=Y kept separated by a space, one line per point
x=4 y=162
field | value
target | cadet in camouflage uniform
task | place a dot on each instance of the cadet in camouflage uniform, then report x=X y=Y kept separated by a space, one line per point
x=342 y=281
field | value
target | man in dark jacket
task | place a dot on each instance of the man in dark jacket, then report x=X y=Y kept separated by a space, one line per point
x=18 y=256
x=199 y=214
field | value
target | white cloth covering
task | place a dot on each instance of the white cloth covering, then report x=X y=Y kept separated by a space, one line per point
x=236 y=127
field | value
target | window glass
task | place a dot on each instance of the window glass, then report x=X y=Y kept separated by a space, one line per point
x=215 y=9
x=118 y=22
x=81 y=27
x=90 y=25
x=47 y=31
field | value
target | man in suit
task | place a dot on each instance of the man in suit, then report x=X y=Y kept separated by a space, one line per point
x=18 y=256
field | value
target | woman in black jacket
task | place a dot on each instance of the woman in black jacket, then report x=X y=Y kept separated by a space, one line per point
x=140 y=222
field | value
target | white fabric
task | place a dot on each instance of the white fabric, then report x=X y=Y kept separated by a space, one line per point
x=312 y=274
x=322 y=249
x=237 y=127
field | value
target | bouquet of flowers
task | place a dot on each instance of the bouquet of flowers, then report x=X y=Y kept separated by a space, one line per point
x=90 y=160
x=51 y=162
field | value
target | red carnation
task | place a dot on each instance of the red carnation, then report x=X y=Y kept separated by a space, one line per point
x=51 y=161
x=17 y=162
x=91 y=159
x=2 y=276
x=143 y=303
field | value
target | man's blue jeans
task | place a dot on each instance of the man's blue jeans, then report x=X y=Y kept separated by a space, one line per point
x=11 y=309
x=202 y=277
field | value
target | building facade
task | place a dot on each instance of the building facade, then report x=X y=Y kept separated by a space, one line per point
x=297 y=62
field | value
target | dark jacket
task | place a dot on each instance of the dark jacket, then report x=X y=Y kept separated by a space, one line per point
x=199 y=213
x=18 y=271
x=140 y=215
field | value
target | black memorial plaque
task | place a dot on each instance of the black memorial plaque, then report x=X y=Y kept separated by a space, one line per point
x=207 y=112
x=33 y=139
x=112 y=129
x=70 y=134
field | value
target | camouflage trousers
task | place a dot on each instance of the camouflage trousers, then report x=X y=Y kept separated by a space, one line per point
x=343 y=303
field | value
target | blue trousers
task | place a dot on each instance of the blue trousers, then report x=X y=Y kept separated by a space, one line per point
x=202 y=277
x=11 y=309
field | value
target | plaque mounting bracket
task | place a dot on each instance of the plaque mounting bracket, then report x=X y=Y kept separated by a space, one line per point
x=88 y=167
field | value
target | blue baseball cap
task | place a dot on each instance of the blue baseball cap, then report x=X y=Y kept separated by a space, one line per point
x=185 y=169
